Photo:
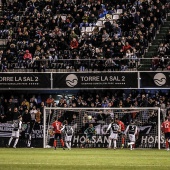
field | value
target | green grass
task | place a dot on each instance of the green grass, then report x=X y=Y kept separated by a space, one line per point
x=83 y=159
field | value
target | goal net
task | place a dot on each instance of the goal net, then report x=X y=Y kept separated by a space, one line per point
x=147 y=120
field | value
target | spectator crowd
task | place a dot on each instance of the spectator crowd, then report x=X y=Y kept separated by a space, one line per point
x=54 y=34
x=13 y=106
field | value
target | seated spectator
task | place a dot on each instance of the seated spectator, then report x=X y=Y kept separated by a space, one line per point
x=92 y=20
x=85 y=19
x=27 y=58
x=74 y=44
x=110 y=65
x=126 y=47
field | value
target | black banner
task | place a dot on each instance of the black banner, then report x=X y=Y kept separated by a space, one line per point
x=146 y=137
x=25 y=80
x=155 y=80
x=95 y=80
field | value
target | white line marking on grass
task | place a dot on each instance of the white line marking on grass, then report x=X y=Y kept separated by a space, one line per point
x=38 y=163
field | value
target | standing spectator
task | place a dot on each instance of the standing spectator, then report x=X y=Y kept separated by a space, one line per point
x=15 y=114
x=26 y=118
x=50 y=101
x=38 y=116
x=8 y=115
x=1 y=109
x=33 y=112
x=11 y=104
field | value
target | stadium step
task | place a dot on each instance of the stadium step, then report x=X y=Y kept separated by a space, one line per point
x=150 y=54
x=152 y=50
x=153 y=47
x=160 y=36
x=166 y=23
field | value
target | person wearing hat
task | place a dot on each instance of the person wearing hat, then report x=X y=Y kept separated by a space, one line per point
x=15 y=132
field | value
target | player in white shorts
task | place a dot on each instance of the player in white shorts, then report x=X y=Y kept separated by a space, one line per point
x=68 y=133
x=114 y=129
x=132 y=130
x=16 y=131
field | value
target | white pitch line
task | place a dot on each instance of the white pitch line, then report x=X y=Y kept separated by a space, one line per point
x=38 y=163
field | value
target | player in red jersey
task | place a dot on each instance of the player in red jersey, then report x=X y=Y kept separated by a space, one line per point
x=122 y=127
x=57 y=125
x=165 y=127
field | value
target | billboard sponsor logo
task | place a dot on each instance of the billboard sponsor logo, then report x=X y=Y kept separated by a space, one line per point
x=71 y=80
x=159 y=79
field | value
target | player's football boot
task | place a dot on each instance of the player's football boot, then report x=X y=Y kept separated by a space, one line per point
x=122 y=146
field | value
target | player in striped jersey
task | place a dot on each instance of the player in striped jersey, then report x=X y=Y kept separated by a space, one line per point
x=68 y=133
x=15 y=132
x=114 y=129
x=132 y=130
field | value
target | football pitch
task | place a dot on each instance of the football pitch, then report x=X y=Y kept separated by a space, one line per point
x=83 y=159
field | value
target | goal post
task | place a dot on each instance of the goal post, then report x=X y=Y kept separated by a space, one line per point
x=148 y=120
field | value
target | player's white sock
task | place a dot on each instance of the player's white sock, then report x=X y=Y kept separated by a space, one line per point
x=16 y=141
x=110 y=142
x=130 y=147
x=10 y=140
x=67 y=145
x=114 y=142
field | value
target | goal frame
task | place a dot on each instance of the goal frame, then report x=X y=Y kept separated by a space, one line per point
x=95 y=108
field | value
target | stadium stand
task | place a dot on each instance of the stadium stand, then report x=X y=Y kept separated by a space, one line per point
x=47 y=27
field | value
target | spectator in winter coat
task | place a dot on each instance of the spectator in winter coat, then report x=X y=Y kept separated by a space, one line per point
x=27 y=58
x=74 y=44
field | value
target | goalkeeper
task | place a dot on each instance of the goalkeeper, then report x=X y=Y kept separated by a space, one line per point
x=90 y=131
x=68 y=133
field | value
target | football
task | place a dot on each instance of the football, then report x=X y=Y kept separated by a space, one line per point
x=89 y=117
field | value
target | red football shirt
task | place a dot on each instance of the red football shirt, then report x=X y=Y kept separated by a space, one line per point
x=57 y=126
x=122 y=126
x=165 y=127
